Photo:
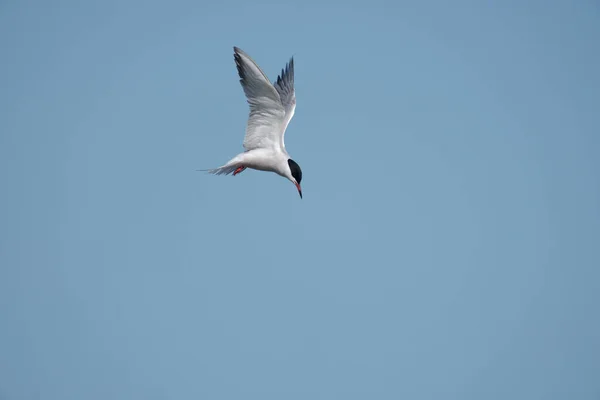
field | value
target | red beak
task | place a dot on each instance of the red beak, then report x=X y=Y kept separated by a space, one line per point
x=299 y=189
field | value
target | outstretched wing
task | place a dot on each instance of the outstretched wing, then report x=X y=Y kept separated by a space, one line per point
x=266 y=122
x=285 y=87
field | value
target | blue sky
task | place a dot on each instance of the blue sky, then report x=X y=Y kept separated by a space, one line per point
x=446 y=246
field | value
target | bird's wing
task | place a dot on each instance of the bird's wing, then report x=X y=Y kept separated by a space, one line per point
x=285 y=87
x=266 y=122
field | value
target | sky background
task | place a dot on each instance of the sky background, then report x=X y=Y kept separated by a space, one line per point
x=447 y=246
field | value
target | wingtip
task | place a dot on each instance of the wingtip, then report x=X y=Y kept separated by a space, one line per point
x=238 y=64
x=238 y=51
x=237 y=56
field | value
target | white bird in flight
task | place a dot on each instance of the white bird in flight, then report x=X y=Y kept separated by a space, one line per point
x=272 y=107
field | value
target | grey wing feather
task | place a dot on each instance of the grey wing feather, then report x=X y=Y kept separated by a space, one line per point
x=285 y=85
x=285 y=88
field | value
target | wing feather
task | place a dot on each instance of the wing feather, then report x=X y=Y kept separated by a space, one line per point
x=285 y=87
x=267 y=114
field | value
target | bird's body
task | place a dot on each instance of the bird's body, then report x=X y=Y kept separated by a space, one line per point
x=259 y=159
x=272 y=107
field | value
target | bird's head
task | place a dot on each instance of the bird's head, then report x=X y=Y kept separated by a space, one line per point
x=296 y=175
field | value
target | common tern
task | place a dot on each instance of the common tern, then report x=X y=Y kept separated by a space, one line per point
x=272 y=107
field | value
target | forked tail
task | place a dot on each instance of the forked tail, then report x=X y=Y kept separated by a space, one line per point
x=231 y=167
x=224 y=170
x=235 y=166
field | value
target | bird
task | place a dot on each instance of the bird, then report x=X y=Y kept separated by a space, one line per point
x=272 y=106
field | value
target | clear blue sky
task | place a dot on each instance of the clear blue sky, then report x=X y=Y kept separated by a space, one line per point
x=447 y=246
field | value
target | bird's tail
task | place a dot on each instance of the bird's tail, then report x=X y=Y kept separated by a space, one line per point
x=226 y=169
